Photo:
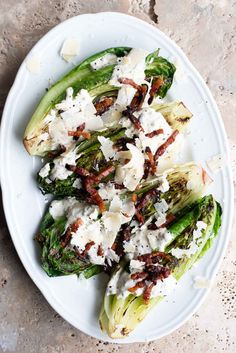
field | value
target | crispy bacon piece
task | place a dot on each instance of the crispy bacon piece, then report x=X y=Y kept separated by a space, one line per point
x=79 y=170
x=134 y=198
x=155 y=133
x=129 y=81
x=156 y=85
x=71 y=229
x=157 y=254
x=100 y=251
x=79 y=133
x=133 y=289
x=147 y=293
x=88 y=183
x=147 y=167
x=161 y=150
x=83 y=254
x=129 y=114
x=151 y=159
x=102 y=106
x=54 y=154
x=139 y=275
x=138 y=99
x=139 y=217
x=103 y=174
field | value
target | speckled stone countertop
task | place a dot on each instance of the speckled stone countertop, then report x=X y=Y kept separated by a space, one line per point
x=205 y=30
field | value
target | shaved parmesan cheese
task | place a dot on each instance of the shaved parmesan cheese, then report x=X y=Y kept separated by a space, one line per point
x=216 y=163
x=70 y=49
x=106 y=147
x=131 y=173
x=201 y=282
x=103 y=61
x=45 y=171
x=125 y=96
x=108 y=191
x=130 y=66
x=33 y=64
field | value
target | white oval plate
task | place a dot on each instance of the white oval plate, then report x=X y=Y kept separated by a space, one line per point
x=78 y=301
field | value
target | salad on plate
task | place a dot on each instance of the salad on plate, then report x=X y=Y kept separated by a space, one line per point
x=123 y=204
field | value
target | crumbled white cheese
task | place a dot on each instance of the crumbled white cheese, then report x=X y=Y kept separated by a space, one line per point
x=164 y=287
x=45 y=171
x=130 y=66
x=103 y=61
x=33 y=64
x=131 y=173
x=70 y=49
x=193 y=248
x=216 y=163
x=161 y=208
x=106 y=147
x=201 y=282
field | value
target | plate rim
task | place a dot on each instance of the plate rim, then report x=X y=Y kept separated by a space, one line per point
x=6 y=202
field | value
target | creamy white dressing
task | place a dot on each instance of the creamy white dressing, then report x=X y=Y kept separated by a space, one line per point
x=144 y=240
x=194 y=246
x=103 y=61
x=130 y=66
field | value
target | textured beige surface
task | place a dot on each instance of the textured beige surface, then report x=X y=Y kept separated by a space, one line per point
x=205 y=29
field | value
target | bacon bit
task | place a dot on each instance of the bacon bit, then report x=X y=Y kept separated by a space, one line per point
x=156 y=85
x=54 y=154
x=139 y=275
x=103 y=174
x=146 y=257
x=102 y=106
x=129 y=81
x=79 y=133
x=84 y=253
x=100 y=251
x=129 y=114
x=169 y=219
x=154 y=133
x=79 y=170
x=114 y=246
x=137 y=285
x=166 y=144
x=119 y=186
x=147 y=166
x=139 y=217
x=152 y=226
x=147 y=293
x=134 y=198
x=71 y=229
x=151 y=159
x=88 y=183
x=138 y=99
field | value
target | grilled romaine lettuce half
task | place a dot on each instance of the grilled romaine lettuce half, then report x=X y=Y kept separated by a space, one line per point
x=91 y=157
x=120 y=316
x=56 y=259
x=97 y=84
